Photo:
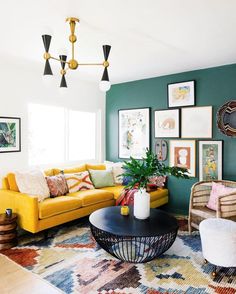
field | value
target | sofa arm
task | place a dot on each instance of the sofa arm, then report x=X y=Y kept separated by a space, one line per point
x=24 y=205
x=226 y=206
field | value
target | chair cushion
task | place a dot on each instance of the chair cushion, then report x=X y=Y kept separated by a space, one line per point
x=203 y=212
x=58 y=205
x=91 y=197
x=218 y=190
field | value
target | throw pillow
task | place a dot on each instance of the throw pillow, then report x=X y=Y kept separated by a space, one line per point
x=159 y=181
x=57 y=185
x=102 y=178
x=117 y=171
x=218 y=190
x=79 y=182
x=33 y=183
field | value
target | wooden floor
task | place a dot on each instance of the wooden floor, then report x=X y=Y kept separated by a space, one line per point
x=17 y=280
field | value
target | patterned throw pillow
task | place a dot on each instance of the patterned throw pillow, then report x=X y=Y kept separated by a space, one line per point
x=117 y=170
x=159 y=181
x=57 y=185
x=79 y=182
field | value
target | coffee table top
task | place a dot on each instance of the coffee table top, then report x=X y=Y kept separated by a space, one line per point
x=110 y=220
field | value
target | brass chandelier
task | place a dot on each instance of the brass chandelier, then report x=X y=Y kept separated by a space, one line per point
x=73 y=63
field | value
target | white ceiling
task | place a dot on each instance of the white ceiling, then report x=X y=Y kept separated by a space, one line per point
x=149 y=38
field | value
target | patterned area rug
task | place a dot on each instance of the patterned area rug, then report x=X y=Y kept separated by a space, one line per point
x=72 y=261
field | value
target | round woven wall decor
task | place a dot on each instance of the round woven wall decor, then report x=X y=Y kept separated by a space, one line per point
x=226 y=118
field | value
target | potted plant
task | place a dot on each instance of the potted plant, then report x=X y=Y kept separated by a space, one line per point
x=139 y=173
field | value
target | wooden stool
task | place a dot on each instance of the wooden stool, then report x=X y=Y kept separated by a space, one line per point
x=8 y=233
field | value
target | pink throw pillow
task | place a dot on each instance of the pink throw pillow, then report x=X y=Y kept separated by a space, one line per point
x=57 y=185
x=217 y=191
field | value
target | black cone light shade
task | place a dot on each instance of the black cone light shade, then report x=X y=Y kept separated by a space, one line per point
x=46 y=42
x=105 y=76
x=63 y=83
x=106 y=51
x=47 y=69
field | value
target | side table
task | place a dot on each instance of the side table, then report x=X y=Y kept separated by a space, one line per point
x=8 y=233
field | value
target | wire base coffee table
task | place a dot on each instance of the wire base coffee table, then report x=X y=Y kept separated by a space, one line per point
x=130 y=239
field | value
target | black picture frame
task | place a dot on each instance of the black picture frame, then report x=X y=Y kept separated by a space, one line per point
x=10 y=134
x=164 y=133
x=192 y=93
x=121 y=153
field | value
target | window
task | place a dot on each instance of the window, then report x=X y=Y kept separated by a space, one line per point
x=59 y=135
x=82 y=135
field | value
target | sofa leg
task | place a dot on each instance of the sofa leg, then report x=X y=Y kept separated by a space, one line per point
x=45 y=233
x=205 y=261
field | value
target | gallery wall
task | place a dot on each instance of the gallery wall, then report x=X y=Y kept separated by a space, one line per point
x=22 y=83
x=214 y=87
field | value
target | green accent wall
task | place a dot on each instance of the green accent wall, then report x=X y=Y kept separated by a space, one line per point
x=214 y=86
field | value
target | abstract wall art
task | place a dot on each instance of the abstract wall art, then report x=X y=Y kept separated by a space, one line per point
x=134 y=132
x=181 y=94
x=167 y=123
x=10 y=140
x=183 y=154
x=210 y=160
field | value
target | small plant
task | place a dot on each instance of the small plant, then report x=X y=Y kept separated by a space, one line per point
x=139 y=171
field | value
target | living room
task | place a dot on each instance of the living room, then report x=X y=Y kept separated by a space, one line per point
x=117 y=147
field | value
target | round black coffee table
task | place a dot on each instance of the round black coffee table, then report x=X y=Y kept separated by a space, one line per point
x=130 y=239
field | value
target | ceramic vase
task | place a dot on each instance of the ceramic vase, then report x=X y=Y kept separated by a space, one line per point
x=141 y=204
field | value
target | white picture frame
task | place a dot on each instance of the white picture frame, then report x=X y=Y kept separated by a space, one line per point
x=210 y=160
x=134 y=132
x=167 y=123
x=181 y=94
x=183 y=154
x=196 y=122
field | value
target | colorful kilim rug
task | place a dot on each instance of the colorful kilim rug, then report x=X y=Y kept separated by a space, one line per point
x=72 y=261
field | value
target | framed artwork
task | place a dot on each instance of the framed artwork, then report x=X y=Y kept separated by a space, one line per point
x=196 y=122
x=181 y=94
x=210 y=160
x=10 y=132
x=134 y=132
x=183 y=154
x=167 y=123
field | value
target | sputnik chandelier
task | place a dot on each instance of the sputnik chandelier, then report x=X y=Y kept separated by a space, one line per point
x=73 y=63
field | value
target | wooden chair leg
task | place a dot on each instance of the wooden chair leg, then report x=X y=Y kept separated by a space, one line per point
x=189 y=227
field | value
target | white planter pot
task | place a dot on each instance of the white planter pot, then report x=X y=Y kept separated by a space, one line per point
x=141 y=204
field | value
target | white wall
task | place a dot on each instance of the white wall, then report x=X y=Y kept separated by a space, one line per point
x=22 y=84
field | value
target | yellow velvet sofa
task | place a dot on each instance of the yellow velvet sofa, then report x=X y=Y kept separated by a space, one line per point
x=34 y=216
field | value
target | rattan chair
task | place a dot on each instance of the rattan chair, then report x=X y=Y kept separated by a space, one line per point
x=200 y=193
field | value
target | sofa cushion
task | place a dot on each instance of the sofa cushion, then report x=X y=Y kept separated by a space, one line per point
x=91 y=197
x=96 y=166
x=53 y=206
x=154 y=195
x=159 y=193
x=49 y=172
x=72 y=170
x=12 y=182
x=116 y=190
